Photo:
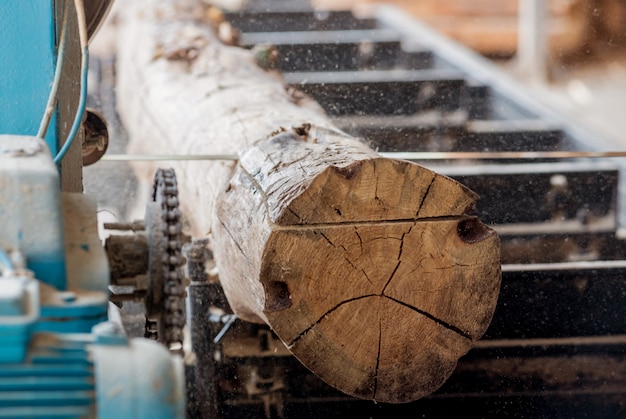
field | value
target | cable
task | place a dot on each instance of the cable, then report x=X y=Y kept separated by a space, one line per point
x=52 y=99
x=82 y=104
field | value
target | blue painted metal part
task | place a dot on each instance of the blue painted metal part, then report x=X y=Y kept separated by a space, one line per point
x=30 y=208
x=78 y=371
x=34 y=227
x=19 y=311
x=55 y=380
x=101 y=374
x=28 y=54
x=148 y=379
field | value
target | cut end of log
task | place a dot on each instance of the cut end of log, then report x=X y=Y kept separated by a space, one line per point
x=381 y=350
x=383 y=311
x=371 y=272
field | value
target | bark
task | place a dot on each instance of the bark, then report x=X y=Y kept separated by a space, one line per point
x=366 y=268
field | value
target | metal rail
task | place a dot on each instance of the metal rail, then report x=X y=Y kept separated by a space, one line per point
x=406 y=155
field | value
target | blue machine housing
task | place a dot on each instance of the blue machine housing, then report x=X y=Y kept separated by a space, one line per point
x=59 y=357
x=31 y=204
x=101 y=374
x=19 y=312
x=28 y=60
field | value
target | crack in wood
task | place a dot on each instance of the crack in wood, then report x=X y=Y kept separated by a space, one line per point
x=380 y=339
x=419 y=266
x=279 y=187
x=293 y=213
x=346 y=258
x=308 y=329
x=304 y=171
x=379 y=201
x=446 y=218
x=399 y=259
x=432 y=181
x=272 y=169
x=391 y=277
x=328 y=240
x=443 y=323
x=257 y=186
x=232 y=238
x=356 y=231
x=367 y=277
x=456 y=265
x=352 y=264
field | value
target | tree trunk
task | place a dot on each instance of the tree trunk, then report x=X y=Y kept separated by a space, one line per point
x=367 y=268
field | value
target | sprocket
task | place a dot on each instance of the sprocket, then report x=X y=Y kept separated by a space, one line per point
x=165 y=299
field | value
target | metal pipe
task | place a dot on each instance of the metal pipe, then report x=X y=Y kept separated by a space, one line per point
x=402 y=155
x=532 y=41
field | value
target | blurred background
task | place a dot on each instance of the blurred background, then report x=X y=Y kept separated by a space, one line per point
x=572 y=52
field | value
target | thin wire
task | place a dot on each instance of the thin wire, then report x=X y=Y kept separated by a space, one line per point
x=502 y=155
x=167 y=157
x=82 y=104
x=409 y=155
x=52 y=99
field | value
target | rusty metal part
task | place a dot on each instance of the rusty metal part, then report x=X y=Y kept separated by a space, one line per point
x=149 y=263
x=136 y=225
x=128 y=260
x=96 y=138
x=165 y=306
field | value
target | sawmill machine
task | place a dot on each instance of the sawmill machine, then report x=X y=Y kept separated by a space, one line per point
x=61 y=356
x=555 y=347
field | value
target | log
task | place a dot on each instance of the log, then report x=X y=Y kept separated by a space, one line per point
x=368 y=269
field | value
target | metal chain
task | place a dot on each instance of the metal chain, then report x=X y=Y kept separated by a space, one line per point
x=172 y=318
